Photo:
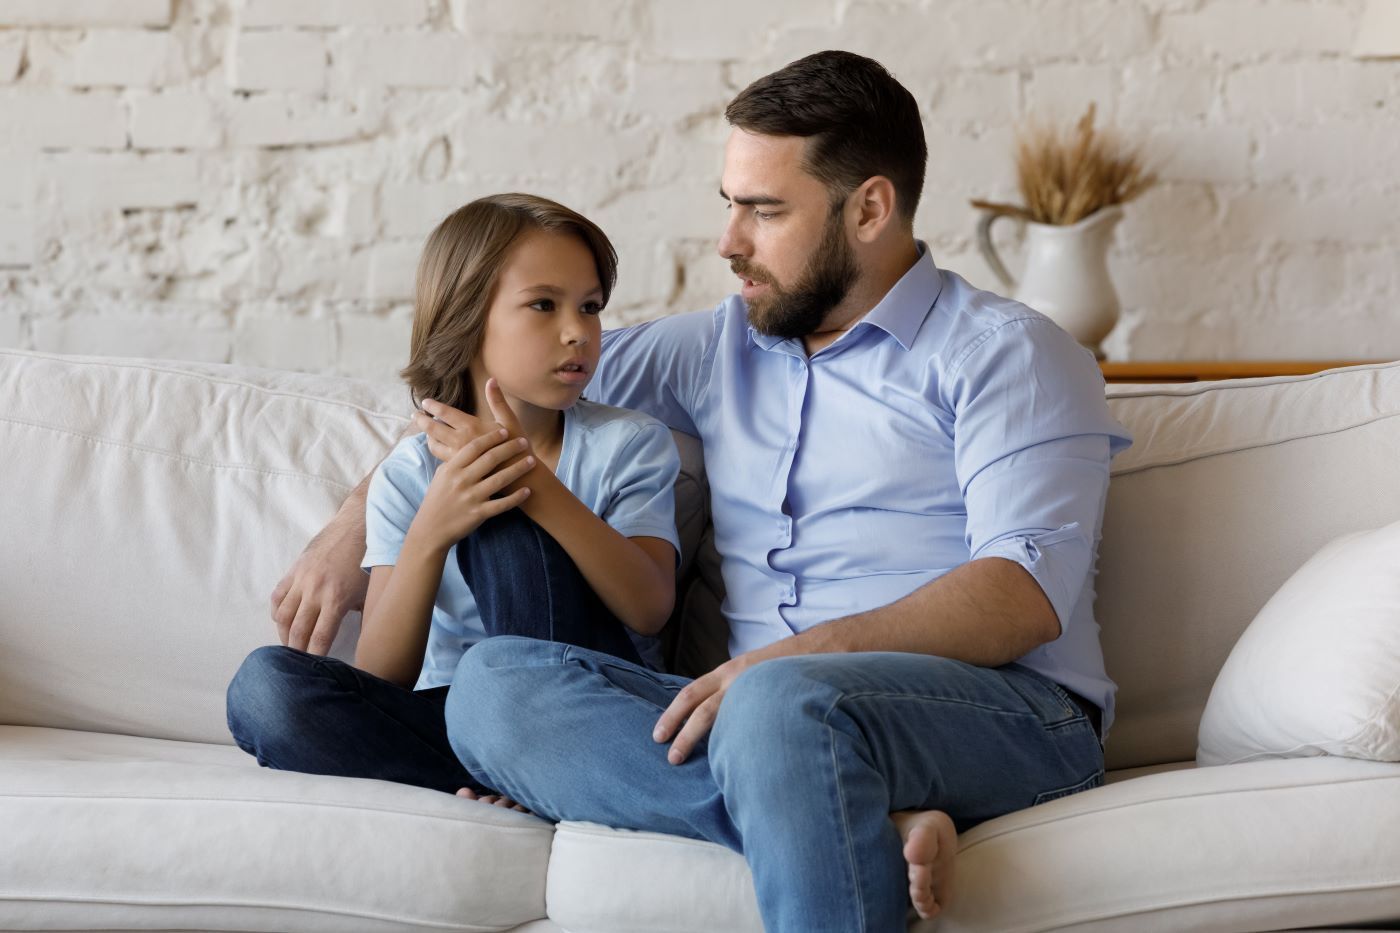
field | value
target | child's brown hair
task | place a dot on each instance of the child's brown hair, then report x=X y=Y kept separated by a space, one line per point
x=457 y=276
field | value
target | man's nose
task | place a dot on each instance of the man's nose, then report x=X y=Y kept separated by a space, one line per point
x=733 y=242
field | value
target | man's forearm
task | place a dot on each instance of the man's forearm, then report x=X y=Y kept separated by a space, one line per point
x=987 y=612
x=349 y=521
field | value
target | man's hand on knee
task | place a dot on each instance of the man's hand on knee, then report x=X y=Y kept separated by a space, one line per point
x=696 y=706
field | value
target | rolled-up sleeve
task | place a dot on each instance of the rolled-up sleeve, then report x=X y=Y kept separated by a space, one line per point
x=1033 y=438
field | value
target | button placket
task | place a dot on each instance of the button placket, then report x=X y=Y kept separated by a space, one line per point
x=798 y=382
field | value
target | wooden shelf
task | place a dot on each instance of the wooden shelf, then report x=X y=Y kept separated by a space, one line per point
x=1188 y=371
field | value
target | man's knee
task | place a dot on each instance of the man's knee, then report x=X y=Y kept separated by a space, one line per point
x=492 y=658
x=484 y=696
x=773 y=706
x=262 y=692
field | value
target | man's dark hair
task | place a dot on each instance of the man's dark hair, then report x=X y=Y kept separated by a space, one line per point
x=858 y=120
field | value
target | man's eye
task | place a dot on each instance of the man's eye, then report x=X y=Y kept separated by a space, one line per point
x=547 y=303
x=764 y=215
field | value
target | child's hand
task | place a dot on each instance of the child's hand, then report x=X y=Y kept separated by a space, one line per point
x=451 y=431
x=459 y=499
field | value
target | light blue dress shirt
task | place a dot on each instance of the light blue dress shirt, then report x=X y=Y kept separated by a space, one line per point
x=947 y=425
x=621 y=464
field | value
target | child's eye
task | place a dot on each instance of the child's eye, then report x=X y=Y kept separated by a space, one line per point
x=593 y=307
x=548 y=304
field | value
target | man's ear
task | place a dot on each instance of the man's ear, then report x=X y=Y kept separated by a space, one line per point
x=874 y=206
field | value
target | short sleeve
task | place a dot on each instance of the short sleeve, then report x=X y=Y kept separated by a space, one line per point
x=657 y=367
x=395 y=492
x=1033 y=438
x=642 y=498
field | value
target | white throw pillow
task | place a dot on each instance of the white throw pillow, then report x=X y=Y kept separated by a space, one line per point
x=1318 y=670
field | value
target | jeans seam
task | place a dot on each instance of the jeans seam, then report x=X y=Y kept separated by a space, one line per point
x=900 y=695
x=845 y=822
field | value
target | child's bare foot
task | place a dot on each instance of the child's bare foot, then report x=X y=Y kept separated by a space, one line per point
x=493 y=799
x=930 y=848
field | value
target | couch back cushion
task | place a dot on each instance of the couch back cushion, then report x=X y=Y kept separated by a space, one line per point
x=1228 y=489
x=150 y=507
x=148 y=510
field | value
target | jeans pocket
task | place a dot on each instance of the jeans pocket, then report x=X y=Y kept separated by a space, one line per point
x=1090 y=782
x=659 y=689
x=1047 y=699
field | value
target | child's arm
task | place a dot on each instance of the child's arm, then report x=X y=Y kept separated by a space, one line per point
x=634 y=577
x=398 y=607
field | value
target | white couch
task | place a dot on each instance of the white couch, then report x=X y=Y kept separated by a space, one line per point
x=148 y=507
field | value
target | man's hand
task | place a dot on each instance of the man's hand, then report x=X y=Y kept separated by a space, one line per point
x=324 y=584
x=696 y=706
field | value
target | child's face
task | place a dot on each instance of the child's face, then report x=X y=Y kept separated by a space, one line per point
x=542 y=329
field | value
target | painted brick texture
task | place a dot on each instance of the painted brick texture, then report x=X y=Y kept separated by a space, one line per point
x=251 y=180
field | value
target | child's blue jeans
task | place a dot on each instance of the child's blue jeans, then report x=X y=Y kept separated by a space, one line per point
x=296 y=711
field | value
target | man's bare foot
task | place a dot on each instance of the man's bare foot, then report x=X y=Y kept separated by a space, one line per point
x=493 y=799
x=930 y=848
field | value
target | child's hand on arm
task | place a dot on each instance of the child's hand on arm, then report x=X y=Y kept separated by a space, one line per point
x=399 y=605
x=459 y=499
x=448 y=429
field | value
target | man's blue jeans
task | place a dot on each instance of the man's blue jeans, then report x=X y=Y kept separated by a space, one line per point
x=295 y=711
x=807 y=758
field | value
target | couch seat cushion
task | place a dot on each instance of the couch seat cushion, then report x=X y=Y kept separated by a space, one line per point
x=604 y=880
x=1262 y=846
x=109 y=832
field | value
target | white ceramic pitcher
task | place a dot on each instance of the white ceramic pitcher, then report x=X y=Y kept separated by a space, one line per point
x=1066 y=276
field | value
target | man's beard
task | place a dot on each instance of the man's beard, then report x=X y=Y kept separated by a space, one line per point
x=824 y=283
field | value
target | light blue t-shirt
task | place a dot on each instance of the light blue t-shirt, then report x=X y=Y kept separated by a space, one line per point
x=621 y=464
x=948 y=424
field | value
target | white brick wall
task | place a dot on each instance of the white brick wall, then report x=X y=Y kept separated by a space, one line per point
x=251 y=180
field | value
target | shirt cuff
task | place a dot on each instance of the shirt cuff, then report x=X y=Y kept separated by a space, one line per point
x=384 y=559
x=666 y=533
x=1058 y=560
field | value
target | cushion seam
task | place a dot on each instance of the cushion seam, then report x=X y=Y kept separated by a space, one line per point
x=184 y=458
x=117 y=363
x=150 y=798
x=1185 y=903
x=1231 y=450
x=1173 y=799
x=257 y=905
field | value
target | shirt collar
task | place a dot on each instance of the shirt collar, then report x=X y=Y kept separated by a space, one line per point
x=905 y=307
x=901 y=312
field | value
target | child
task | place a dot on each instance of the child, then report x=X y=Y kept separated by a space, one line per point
x=556 y=521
